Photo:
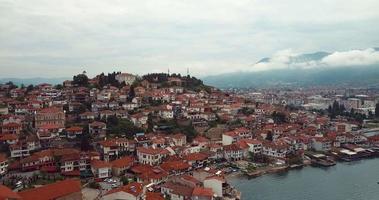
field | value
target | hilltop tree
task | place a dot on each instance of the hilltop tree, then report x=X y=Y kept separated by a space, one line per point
x=59 y=86
x=80 y=79
x=29 y=88
x=109 y=79
x=11 y=85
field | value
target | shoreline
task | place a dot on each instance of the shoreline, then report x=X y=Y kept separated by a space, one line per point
x=278 y=170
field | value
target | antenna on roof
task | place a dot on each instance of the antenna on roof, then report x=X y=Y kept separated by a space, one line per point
x=168 y=71
x=187 y=71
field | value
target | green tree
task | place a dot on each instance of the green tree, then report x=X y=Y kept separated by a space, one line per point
x=122 y=127
x=80 y=80
x=124 y=180
x=278 y=117
x=29 y=88
x=59 y=86
x=85 y=144
x=269 y=136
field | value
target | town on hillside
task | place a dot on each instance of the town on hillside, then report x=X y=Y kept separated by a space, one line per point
x=167 y=136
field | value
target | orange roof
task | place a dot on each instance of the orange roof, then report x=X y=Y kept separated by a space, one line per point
x=175 y=165
x=100 y=164
x=154 y=196
x=6 y=193
x=134 y=189
x=5 y=137
x=108 y=143
x=52 y=191
x=234 y=147
x=139 y=168
x=65 y=151
x=203 y=192
x=242 y=144
x=196 y=156
x=74 y=129
x=126 y=161
x=153 y=173
x=231 y=133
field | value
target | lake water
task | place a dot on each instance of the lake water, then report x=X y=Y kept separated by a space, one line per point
x=344 y=181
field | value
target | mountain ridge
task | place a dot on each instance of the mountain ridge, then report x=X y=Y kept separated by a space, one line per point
x=307 y=69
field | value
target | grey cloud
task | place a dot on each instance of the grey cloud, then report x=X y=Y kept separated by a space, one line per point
x=58 y=38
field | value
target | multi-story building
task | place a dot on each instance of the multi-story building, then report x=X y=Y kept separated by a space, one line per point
x=50 y=116
x=151 y=156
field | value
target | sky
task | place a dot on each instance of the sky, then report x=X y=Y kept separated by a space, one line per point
x=51 y=38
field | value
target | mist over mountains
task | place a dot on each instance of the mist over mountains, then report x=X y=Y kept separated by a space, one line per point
x=354 y=68
x=286 y=68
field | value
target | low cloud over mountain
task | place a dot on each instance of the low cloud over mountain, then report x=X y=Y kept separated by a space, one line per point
x=355 y=67
x=287 y=59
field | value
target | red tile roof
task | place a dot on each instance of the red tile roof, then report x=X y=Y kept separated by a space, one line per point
x=74 y=129
x=178 y=189
x=100 y=164
x=232 y=147
x=5 y=137
x=52 y=191
x=155 y=173
x=6 y=193
x=126 y=161
x=134 y=189
x=196 y=156
x=175 y=165
x=202 y=192
x=152 y=151
x=140 y=168
x=154 y=196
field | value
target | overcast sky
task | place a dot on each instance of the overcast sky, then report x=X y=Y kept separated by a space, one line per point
x=51 y=38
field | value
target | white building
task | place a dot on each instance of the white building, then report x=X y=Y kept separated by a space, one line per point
x=151 y=156
x=3 y=164
x=216 y=184
x=126 y=77
x=101 y=169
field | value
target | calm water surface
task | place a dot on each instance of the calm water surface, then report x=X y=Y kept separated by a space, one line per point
x=344 y=181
